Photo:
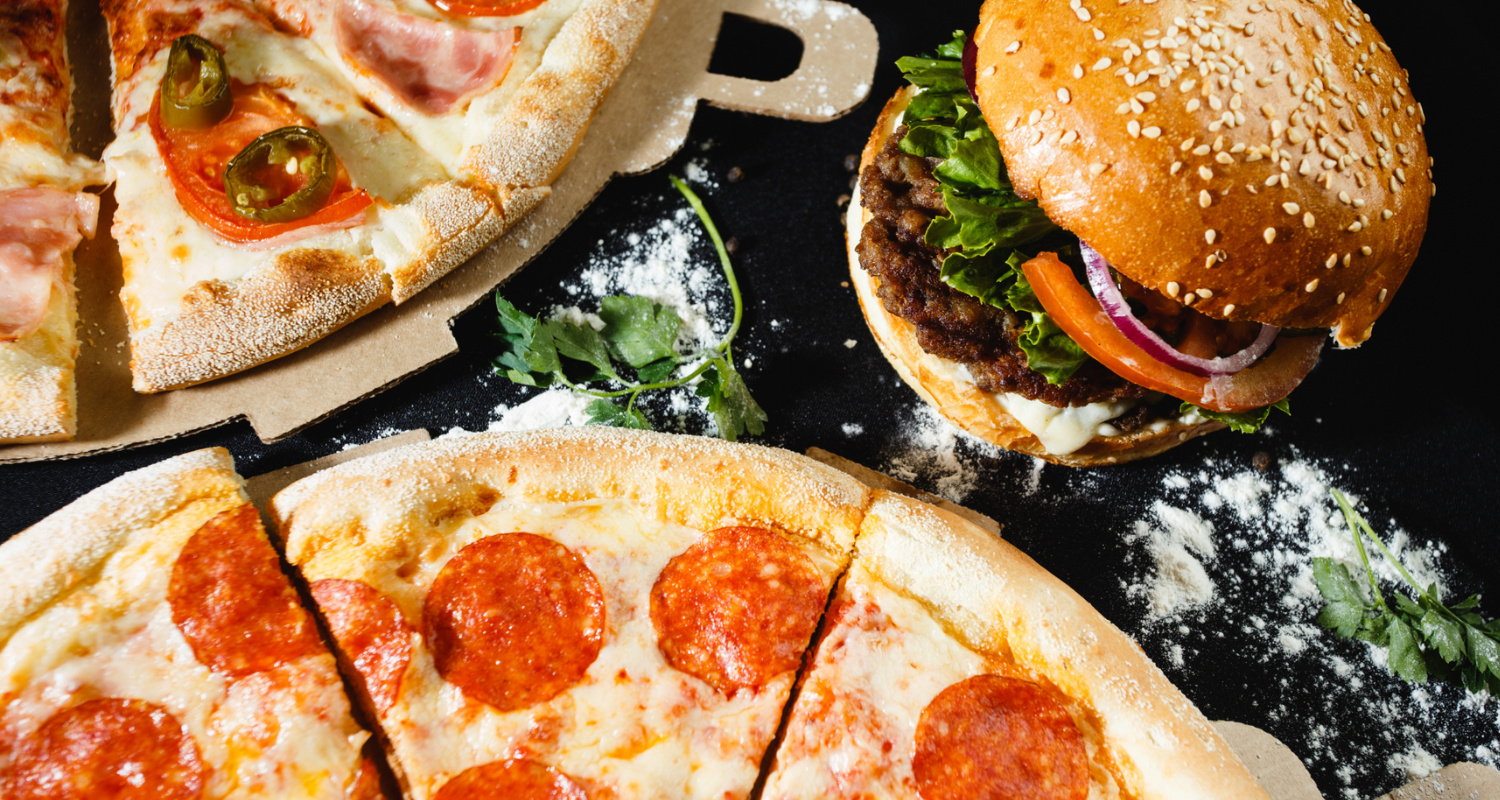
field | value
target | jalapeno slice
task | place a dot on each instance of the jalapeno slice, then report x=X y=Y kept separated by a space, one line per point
x=195 y=89
x=283 y=175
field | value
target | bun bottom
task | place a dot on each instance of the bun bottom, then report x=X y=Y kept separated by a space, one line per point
x=963 y=403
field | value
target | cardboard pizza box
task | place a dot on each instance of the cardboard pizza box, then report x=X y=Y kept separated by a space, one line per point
x=641 y=125
x=1280 y=772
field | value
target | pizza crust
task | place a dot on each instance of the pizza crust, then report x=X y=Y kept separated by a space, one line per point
x=997 y=600
x=965 y=404
x=38 y=390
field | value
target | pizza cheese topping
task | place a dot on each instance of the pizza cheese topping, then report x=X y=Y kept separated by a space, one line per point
x=369 y=628
x=515 y=779
x=430 y=65
x=109 y=748
x=738 y=608
x=997 y=738
x=232 y=602
x=514 y=619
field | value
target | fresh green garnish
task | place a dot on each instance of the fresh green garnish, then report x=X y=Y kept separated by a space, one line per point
x=1422 y=636
x=1241 y=421
x=638 y=334
x=986 y=219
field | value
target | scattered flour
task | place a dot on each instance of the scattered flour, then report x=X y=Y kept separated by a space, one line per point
x=1229 y=554
x=554 y=408
x=853 y=429
x=933 y=452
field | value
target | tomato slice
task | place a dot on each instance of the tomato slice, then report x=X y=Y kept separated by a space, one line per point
x=195 y=161
x=1075 y=309
x=485 y=8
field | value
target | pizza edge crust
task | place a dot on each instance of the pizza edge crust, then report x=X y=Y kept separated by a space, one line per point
x=965 y=404
x=544 y=123
x=44 y=563
x=991 y=593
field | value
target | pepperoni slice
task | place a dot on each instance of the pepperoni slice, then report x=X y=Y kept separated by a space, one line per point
x=997 y=738
x=737 y=608
x=514 y=619
x=518 y=779
x=370 y=630
x=231 y=601
x=109 y=749
x=367 y=785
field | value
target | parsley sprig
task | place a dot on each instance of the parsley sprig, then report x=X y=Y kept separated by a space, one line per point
x=639 y=334
x=1422 y=636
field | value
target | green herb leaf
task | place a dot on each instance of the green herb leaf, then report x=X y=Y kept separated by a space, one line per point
x=1335 y=583
x=639 y=331
x=657 y=371
x=604 y=412
x=581 y=343
x=1444 y=635
x=1405 y=656
x=729 y=400
x=1342 y=618
x=1483 y=650
x=1240 y=421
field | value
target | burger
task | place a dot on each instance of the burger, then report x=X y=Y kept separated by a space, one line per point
x=1093 y=231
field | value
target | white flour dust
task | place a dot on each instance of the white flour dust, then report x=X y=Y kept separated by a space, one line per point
x=932 y=452
x=1227 y=554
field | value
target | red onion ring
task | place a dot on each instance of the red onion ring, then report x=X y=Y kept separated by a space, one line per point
x=969 y=64
x=1114 y=304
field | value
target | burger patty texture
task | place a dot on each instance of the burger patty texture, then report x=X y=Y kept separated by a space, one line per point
x=902 y=196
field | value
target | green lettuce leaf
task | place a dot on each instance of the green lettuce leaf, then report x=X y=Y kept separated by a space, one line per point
x=1048 y=349
x=1242 y=421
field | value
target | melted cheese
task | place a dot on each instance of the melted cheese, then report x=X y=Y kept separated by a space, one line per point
x=853 y=727
x=634 y=724
x=116 y=638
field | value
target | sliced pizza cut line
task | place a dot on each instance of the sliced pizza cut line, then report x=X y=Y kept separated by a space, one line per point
x=249 y=265
x=151 y=647
x=439 y=549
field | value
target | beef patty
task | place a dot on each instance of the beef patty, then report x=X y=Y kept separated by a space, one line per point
x=902 y=196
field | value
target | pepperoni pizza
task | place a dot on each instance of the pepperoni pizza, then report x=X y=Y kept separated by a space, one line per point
x=573 y=613
x=43 y=215
x=151 y=647
x=952 y=666
x=286 y=166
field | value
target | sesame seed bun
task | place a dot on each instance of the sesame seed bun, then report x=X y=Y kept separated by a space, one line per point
x=1265 y=158
x=966 y=405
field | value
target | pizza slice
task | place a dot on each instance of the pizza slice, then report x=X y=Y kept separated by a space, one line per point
x=262 y=203
x=573 y=613
x=151 y=647
x=499 y=91
x=952 y=666
x=44 y=214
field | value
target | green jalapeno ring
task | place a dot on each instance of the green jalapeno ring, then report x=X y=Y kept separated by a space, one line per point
x=195 y=62
x=280 y=148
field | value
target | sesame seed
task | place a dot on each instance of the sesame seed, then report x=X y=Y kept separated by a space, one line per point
x=1341 y=298
x=988 y=71
x=1048 y=114
x=1284 y=182
x=1083 y=14
x=1135 y=105
x=1205 y=173
x=1123 y=108
x=1356 y=227
x=1387 y=214
x=1186 y=143
x=1229 y=309
x=1098 y=35
x=1332 y=260
x=1348 y=257
x=1173 y=288
x=1344 y=198
x=1210 y=235
x=1312 y=285
x=1034 y=117
x=1193 y=104
x=1271 y=181
x=1063 y=95
x=1366 y=250
x=1151 y=132
x=1270 y=235
x=1102 y=63
x=1201 y=150
x=1205 y=199
x=1291 y=208
x=1014 y=46
x=1134 y=128
x=1395 y=187
x=1224 y=158
x=1036 y=136
x=1077 y=71
x=1189 y=298
x=1205 y=293
x=1070 y=137
x=1307 y=219
x=1096 y=168
x=1382 y=296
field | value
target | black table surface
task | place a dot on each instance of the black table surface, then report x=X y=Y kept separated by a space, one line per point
x=1406 y=411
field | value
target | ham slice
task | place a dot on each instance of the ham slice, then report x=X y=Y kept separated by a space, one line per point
x=37 y=228
x=430 y=65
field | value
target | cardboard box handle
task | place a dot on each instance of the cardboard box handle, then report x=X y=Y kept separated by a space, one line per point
x=839 y=50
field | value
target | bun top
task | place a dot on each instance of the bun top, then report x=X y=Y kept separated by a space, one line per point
x=1264 y=158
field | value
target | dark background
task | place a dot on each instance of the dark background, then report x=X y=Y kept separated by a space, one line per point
x=1408 y=410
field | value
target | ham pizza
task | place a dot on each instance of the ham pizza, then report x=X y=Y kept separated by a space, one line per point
x=573 y=613
x=952 y=666
x=44 y=214
x=152 y=648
